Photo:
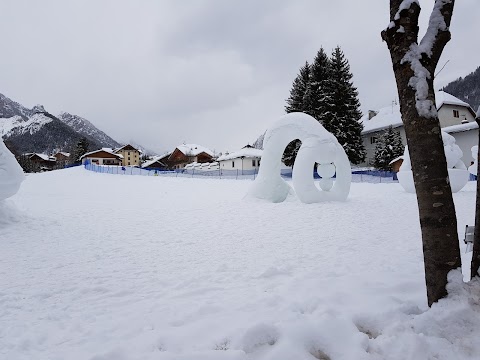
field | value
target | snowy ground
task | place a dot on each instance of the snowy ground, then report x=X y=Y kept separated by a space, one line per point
x=106 y=267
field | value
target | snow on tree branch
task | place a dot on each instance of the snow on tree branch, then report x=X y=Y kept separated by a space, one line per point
x=436 y=24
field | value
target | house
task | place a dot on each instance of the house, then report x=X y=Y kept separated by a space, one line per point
x=246 y=159
x=41 y=161
x=154 y=163
x=130 y=155
x=451 y=112
x=189 y=153
x=104 y=156
x=62 y=158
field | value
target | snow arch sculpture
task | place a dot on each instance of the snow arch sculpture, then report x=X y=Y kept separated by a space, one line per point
x=11 y=174
x=457 y=171
x=318 y=146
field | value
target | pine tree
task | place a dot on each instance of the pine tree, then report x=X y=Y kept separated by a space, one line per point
x=388 y=147
x=296 y=100
x=342 y=112
x=297 y=103
x=319 y=93
x=80 y=149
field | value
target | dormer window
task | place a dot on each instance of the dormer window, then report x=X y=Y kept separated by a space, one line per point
x=456 y=114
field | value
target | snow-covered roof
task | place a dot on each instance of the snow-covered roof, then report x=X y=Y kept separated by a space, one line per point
x=44 y=157
x=461 y=127
x=385 y=117
x=391 y=116
x=128 y=147
x=396 y=159
x=64 y=153
x=107 y=150
x=444 y=98
x=245 y=152
x=194 y=149
x=151 y=161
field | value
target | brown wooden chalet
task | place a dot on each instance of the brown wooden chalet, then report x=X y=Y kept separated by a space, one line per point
x=188 y=153
x=42 y=161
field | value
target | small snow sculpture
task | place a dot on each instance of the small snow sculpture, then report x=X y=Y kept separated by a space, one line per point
x=473 y=168
x=11 y=174
x=318 y=146
x=457 y=171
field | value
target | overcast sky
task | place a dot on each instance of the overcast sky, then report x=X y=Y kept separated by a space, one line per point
x=211 y=72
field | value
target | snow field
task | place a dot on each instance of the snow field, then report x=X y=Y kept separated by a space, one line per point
x=105 y=267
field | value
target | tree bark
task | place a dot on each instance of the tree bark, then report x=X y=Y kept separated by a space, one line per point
x=475 y=265
x=414 y=64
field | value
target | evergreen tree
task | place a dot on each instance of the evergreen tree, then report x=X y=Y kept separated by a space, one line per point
x=80 y=149
x=318 y=98
x=389 y=146
x=342 y=113
x=297 y=102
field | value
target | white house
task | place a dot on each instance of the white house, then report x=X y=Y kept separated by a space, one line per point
x=246 y=159
x=452 y=112
x=104 y=156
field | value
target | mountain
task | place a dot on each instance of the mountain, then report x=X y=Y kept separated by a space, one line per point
x=10 y=108
x=36 y=130
x=467 y=89
x=42 y=133
x=87 y=129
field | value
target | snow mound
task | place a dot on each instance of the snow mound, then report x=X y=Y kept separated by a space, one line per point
x=457 y=171
x=473 y=168
x=318 y=146
x=11 y=174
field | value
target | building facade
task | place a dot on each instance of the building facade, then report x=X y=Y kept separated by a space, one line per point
x=130 y=155
x=452 y=112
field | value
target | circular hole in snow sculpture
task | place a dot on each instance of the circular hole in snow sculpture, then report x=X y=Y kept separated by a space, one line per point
x=326 y=170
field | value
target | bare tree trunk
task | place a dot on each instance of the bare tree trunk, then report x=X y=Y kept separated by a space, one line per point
x=475 y=265
x=414 y=66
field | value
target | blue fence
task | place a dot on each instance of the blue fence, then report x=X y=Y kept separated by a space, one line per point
x=369 y=176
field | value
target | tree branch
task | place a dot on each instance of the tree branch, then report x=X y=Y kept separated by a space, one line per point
x=438 y=33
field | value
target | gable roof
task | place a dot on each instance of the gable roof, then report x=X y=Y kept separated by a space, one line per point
x=391 y=116
x=127 y=147
x=194 y=149
x=245 y=152
x=43 y=157
x=107 y=150
x=153 y=161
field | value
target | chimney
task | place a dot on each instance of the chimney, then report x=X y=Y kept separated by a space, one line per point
x=371 y=114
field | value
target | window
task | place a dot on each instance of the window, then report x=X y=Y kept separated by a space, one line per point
x=253 y=163
x=233 y=164
x=258 y=162
x=456 y=114
x=129 y=158
x=129 y=153
x=373 y=140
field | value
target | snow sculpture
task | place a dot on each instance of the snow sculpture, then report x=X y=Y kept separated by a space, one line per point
x=473 y=168
x=318 y=146
x=457 y=171
x=11 y=174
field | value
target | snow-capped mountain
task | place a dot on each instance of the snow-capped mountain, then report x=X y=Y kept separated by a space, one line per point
x=87 y=129
x=36 y=130
x=10 y=108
